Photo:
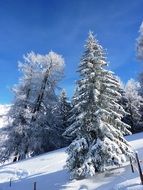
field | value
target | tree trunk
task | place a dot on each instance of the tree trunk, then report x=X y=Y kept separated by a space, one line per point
x=42 y=90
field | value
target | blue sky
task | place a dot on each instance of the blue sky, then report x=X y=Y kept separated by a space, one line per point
x=62 y=26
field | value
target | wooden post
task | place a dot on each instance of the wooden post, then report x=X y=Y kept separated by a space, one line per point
x=10 y=182
x=35 y=185
x=131 y=163
x=139 y=168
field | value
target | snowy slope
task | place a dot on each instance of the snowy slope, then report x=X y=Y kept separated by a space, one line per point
x=49 y=173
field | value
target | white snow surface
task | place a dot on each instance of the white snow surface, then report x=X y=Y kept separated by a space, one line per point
x=49 y=173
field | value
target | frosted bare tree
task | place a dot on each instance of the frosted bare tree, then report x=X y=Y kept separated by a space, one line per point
x=34 y=126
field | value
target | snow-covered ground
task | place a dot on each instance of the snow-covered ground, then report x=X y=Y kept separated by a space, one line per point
x=49 y=173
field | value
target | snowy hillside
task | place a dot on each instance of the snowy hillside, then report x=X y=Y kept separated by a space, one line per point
x=49 y=173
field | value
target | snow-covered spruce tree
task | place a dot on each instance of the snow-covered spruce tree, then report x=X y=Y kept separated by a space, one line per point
x=97 y=124
x=123 y=101
x=63 y=109
x=134 y=105
x=33 y=127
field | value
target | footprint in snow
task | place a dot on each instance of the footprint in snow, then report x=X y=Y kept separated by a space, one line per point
x=83 y=187
x=21 y=173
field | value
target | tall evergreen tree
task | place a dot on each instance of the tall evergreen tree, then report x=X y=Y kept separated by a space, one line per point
x=69 y=132
x=64 y=108
x=97 y=126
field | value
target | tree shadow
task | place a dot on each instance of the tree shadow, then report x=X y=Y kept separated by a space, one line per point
x=134 y=186
x=52 y=181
